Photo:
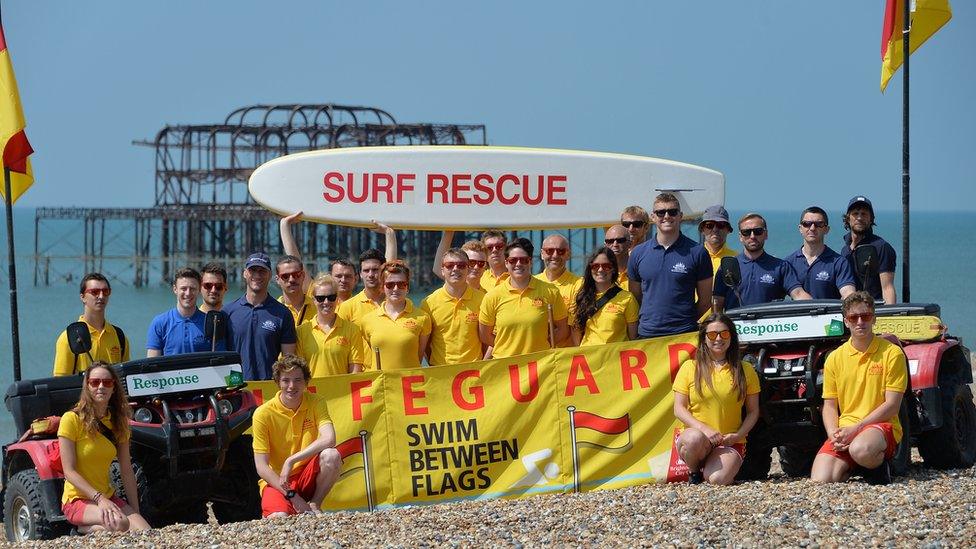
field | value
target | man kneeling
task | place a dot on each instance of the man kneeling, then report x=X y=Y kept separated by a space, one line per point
x=864 y=381
x=294 y=444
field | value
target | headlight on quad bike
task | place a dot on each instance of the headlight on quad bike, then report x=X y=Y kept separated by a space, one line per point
x=225 y=407
x=143 y=415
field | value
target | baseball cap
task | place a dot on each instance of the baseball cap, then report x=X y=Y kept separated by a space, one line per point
x=715 y=213
x=859 y=199
x=258 y=259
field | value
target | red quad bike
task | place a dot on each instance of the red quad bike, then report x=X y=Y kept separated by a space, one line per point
x=188 y=446
x=788 y=341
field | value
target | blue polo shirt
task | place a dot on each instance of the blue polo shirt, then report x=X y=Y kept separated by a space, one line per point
x=764 y=279
x=824 y=278
x=258 y=333
x=172 y=334
x=668 y=279
x=886 y=262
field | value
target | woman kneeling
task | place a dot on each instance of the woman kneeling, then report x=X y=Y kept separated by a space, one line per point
x=92 y=435
x=709 y=393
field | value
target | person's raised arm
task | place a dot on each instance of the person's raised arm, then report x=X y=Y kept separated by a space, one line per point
x=391 y=239
x=446 y=238
x=289 y=245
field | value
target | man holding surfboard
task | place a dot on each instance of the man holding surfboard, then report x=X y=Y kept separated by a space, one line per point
x=453 y=310
x=666 y=272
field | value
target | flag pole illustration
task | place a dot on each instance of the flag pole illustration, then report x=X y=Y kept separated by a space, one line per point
x=579 y=419
x=359 y=445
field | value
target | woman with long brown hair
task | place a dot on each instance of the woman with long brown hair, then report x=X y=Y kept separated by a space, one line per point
x=603 y=312
x=709 y=393
x=398 y=329
x=93 y=434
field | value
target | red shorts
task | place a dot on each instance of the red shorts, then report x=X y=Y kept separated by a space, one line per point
x=845 y=456
x=739 y=448
x=302 y=481
x=74 y=510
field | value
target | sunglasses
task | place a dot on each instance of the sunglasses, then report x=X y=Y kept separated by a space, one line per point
x=330 y=298
x=496 y=247
x=99 y=292
x=213 y=286
x=451 y=265
x=518 y=260
x=724 y=334
x=817 y=224
x=106 y=382
x=555 y=251
x=612 y=241
x=758 y=231
x=860 y=317
x=297 y=275
x=601 y=267
x=712 y=225
x=475 y=264
x=634 y=224
x=401 y=284
x=667 y=212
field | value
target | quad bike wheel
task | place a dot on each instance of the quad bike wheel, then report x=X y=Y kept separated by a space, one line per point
x=24 y=516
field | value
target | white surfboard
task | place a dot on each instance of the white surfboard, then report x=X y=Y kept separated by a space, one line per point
x=446 y=187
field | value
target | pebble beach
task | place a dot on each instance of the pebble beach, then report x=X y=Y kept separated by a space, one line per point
x=925 y=509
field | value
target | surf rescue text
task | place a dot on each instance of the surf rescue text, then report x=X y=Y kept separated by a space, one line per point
x=446 y=188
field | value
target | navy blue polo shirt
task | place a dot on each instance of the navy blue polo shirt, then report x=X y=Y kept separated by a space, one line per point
x=824 y=278
x=259 y=332
x=764 y=279
x=668 y=279
x=886 y=262
x=173 y=334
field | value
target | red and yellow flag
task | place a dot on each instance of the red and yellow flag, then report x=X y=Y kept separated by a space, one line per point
x=927 y=17
x=13 y=141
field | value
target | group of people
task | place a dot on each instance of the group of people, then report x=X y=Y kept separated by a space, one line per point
x=492 y=305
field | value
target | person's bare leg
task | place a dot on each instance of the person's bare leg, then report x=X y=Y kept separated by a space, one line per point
x=827 y=468
x=868 y=448
x=329 y=464
x=721 y=466
x=693 y=447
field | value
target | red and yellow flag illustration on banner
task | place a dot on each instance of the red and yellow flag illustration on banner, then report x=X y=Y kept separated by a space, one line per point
x=927 y=17
x=13 y=141
x=574 y=419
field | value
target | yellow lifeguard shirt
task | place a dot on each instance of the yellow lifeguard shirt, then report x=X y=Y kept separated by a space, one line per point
x=302 y=314
x=398 y=340
x=105 y=347
x=609 y=323
x=566 y=283
x=717 y=257
x=520 y=317
x=489 y=280
x=354 y=309
x=329 y=354
x=858 y=381
x=722 y=409
x=280 y=432
x=454 y=326
x=93 y=456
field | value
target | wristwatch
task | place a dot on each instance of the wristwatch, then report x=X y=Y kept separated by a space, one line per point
x=290 y=494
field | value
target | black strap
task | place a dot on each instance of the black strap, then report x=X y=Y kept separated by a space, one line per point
x=107 y=433
x=610 y=294
x=121 y=334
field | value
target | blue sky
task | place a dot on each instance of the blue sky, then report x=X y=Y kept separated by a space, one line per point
x=782 y=99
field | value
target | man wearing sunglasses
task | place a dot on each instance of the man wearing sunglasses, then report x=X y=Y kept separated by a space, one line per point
x=667 y=272
x=618 y=240
x=293 y=281
x=863 y=383
x=262 y=327
x=555 y=254
x=182 y=329
x=715 y=228
x=496 y=273
x=213 y=284
x=637 y=223
x=764 y=278
x=453 y=310
x=859 y=220
x=823 y=272
x=109 y=344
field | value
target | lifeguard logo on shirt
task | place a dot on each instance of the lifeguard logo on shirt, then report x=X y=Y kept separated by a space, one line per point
x=307 y=424
x=876 y=369
x=767 y=278
x=269 y=325
x=613 y=308
x=410 y=324
x=538 y=303
x=823 y=276
x=679 y=268
x=116 y=352
x=342 y=340
x=471 y=318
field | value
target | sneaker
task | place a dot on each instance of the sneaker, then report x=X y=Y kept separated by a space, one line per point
x=879 y=476
x=695 y=477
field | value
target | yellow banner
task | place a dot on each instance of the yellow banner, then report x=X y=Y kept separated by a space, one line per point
x=556 y=421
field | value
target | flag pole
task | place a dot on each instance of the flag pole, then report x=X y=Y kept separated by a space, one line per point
x=367 y=474
x=905 y=177
x=12 y=270
x=572 y=440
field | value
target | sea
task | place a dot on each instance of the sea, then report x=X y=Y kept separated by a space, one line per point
x=941 y=265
